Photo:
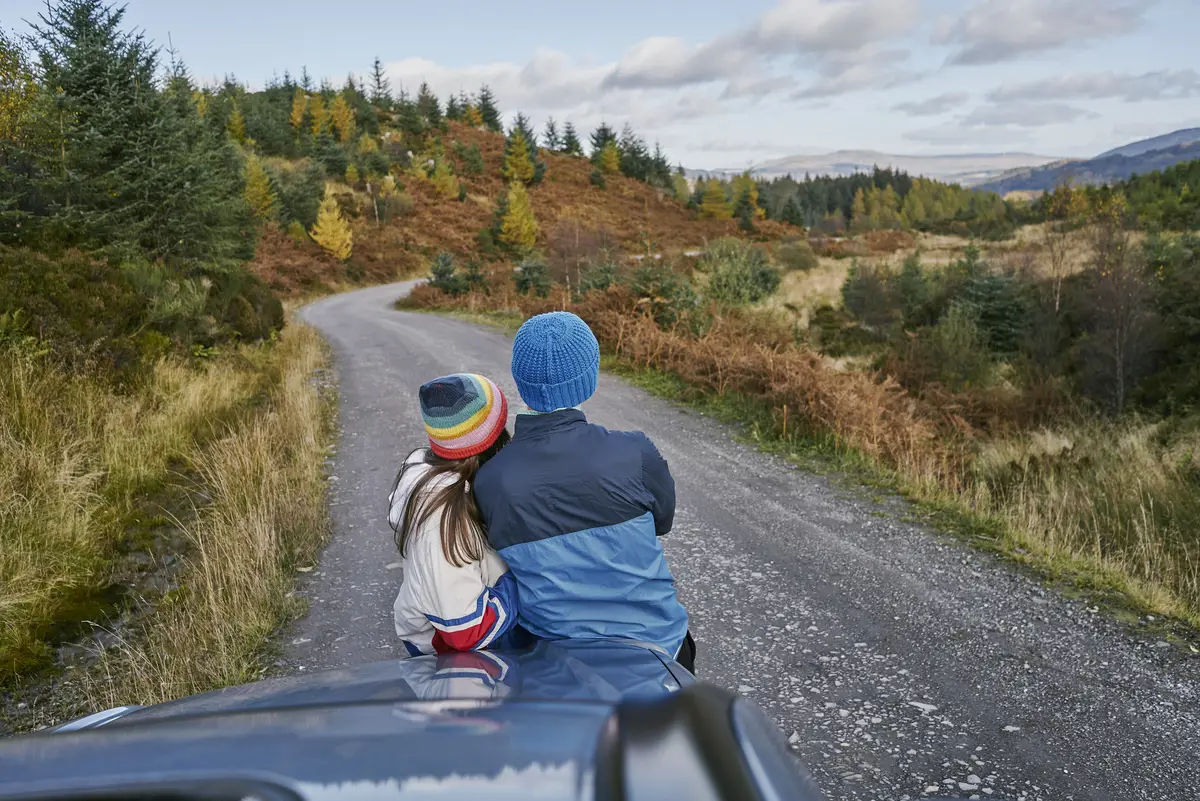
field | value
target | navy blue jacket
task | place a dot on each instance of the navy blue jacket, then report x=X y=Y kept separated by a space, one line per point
x=575 y=510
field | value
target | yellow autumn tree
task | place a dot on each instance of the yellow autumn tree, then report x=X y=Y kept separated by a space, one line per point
x=343 y=119
x=713 y=204
x=318 y=114
x=472 y=117
x=745 y=183
x=237 y=126
x=352 y=175
x=299 y=108
x=443 y=179
x=367 y=145
x=517 y=164
x=18 y=89
x=519 y=228
x=200 y=100
x=610 y=159
x=332 y=232
x=260 y=197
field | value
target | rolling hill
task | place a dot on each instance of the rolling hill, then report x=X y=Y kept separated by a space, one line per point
x=1114 y=165
x=966 y=169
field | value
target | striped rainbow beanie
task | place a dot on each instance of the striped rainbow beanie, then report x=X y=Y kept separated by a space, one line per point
x=464 y=414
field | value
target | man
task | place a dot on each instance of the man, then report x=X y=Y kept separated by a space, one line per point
x=576 y=510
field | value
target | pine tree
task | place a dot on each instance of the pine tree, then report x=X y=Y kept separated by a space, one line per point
x=553 y=140
x=381 y=88
x=428 y=105
x=858 y=210
x=473 y=117
x=318 y=116
x=237 y=126
x=443 y=179
x=713 y=204
x=306 y=80
x=519 y=229
x=745 y=184
x=488 y=111
x=601 y=138
x=299 y=109
x=517 y=164
x=259 y=194
x=571 y=144
x=453 y=110
x=342 y=116
x=681 y=189
x=332 y=232
x=792 y=213
x=609 y=159
x=745 y=210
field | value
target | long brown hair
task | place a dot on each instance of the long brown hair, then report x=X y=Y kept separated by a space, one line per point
x=461 y=524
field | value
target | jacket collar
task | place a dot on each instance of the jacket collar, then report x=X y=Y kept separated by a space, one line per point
x=531 y=426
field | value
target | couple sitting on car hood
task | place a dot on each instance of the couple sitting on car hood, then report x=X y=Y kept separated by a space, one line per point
x=551 y=533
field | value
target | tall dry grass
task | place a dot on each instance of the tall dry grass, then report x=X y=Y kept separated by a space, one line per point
x=76 y=460
x=265 y=516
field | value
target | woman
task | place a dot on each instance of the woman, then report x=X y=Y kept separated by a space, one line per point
x=457 y=593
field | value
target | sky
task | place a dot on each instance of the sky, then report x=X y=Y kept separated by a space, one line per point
x=728 y=84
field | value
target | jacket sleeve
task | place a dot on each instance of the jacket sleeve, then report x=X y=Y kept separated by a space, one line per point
x=657 y=478
x=466 y=614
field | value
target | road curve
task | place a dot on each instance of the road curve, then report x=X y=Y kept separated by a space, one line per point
x=902 y=664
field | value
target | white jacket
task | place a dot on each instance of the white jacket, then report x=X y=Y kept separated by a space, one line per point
x=441 y=607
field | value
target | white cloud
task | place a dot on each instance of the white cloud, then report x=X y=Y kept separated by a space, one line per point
x=991 y=31
x=933 y=106
x=1160 y=85
x=1026 y=115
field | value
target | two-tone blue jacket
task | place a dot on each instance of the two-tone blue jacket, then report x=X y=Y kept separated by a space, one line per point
x=576 y=510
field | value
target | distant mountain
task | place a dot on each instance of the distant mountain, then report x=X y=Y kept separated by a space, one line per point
x=1184 y=137
x=967 y=169
x=1114 y=165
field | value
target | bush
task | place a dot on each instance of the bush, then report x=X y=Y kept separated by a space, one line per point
x=868 y=296
x=740 y=273
x=597 y=178
x=597 y=277
x=667 y=297
x=952 y=353
x=398 y=205
x=486 y=242
x=444 y=276
x=533 y=277
x=796 y=255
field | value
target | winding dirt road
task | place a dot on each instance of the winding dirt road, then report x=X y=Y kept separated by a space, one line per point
x=902 y=664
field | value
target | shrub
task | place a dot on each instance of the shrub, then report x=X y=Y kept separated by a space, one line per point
x=597 y=277
x=740 y=273
x=665 y=296
x=533 y=277
x=400 y=204
x=597 y=178
x=486 y=242
x=444 y=276
x=796 y=254
x=868 y=296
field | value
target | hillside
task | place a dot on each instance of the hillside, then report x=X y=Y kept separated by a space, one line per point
x=628 y=214
x=1114 y=165
x=967 y=169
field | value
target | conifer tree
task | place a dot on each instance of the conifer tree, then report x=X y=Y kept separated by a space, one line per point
x=260 y=196
x=571 y=144
x=332 y=232
x=609 y=159
x=299 y=109
x=488 y=111
x=792 y=213
x=601 y=137
x=745 y=184
x=454 y=111
x=237 y=125
x=443 y=179
x=858 y=210
x=473 y=117
x=352 y=176
x=744 y=211
x=342 y=117
x=318 y=116
x=682 y=191
x=306 y=80
x=713 y=204
x=428 y=105
x=381 y=88
x=551 y=136
x=519 y=229
x=409 y=119
x=517 y=164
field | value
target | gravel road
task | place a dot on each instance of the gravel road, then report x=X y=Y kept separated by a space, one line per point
x=902 y=664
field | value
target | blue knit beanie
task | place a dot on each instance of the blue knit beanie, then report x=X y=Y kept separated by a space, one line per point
x=555 y=361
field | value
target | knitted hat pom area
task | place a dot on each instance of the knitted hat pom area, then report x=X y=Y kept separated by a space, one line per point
x=555 y=361
x=464 y=414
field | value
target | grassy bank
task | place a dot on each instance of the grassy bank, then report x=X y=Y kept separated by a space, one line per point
x=221 y=458
x=1110 y=507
